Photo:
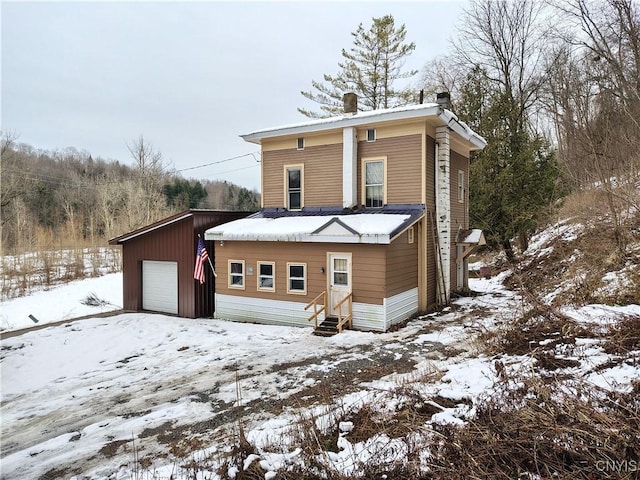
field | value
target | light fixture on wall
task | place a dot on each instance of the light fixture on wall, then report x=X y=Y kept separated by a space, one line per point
x=222 y=243
x=321 y=269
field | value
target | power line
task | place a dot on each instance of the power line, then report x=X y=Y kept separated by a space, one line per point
x=252 y=154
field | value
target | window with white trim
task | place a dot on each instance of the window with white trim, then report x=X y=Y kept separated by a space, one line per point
x=300 y=143
x=371 y=134
x=373 y=183
x=236 y=274
x=461 y=186
x=410 y=235
x=267 y=276
x=297 y=278
x=293 y=184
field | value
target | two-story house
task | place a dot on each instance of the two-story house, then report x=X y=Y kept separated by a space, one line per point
x=364 y=218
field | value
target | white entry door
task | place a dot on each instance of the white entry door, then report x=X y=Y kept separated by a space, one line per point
x=160 y=286
x=339 y=280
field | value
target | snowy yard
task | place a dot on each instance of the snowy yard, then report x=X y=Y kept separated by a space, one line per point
x=86 y=399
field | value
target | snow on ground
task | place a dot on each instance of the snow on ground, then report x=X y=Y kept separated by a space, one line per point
x=76 y=396
x=62 y=302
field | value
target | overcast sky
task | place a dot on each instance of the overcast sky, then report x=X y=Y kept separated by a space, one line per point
x=190 y=77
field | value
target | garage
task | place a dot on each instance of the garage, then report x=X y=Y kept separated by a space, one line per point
x=158 y=262
x=160 y=286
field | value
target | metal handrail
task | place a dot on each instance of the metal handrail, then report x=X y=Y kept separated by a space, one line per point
x=317 y=312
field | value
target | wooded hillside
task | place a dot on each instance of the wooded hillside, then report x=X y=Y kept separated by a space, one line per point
x=68 y=198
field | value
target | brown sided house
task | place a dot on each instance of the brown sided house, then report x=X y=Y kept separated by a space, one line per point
x=158 y=264
x=364 y=221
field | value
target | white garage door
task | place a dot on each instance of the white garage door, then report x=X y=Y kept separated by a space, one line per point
x=160 y=286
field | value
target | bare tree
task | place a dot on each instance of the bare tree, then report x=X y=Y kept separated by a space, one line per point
x=595 y=99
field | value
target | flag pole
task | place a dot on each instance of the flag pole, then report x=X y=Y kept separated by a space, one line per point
x=211 y=264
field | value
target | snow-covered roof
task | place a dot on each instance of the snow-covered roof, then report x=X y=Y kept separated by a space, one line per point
x=350 y=228
x=471 y=237
x=406 y=112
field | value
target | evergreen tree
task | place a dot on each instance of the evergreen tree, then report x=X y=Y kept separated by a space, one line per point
x=516 y=178
x=370 y=69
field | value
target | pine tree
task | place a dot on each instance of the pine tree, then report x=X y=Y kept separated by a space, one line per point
x=370 y=69
x=516 y=179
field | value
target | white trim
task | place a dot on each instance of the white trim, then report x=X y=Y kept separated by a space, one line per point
x=461 y=186
x=362 y=118
x=366 y=316
x=272 y=276
x=349 y=167
x=304 y=278
x=298 y=166
x=261 y=310
x=375 y=136
x=401 y=306
x=147 y=230
x=363 y=172
x=244 y=275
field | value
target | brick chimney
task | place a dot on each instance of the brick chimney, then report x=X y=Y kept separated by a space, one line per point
x=350 y=101
x=444 y=100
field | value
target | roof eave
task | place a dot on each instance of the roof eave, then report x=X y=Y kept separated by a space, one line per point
x=343 y=122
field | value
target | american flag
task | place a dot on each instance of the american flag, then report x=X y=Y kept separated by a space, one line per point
x=201 y=257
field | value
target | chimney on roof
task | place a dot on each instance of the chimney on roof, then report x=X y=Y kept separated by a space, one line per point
x=444 y=100
x=350 y=101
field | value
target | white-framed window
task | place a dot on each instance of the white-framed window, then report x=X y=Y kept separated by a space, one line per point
x=293 y=183
x=373 y=179
x=461 y=186
x=300 y=143
x=371 y=134
x=411 y=235
x=267 y=276
x=236 y=274
x=297 y=278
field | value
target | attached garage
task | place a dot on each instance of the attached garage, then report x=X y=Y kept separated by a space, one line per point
x=158 y=262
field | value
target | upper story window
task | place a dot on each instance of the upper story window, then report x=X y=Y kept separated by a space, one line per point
x=371 y=134
x=373 y=172
x=293 y=177
x=301 y=143
x=461 y=186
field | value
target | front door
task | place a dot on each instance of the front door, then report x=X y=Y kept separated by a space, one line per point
x=339 y=281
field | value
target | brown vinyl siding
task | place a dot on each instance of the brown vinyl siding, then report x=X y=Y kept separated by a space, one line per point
x=368 y=268
x=431 y=202
x=459 y=210
x=403 y=154
x=322 y=182
x=402 y=264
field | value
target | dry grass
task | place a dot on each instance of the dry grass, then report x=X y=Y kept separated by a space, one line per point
x=25 y=272
x=532 y=427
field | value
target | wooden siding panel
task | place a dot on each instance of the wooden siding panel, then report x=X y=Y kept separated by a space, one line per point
x=404 y=166
x=322 y=175
x=368 y=268
x=459 y=212
x=402 y=265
